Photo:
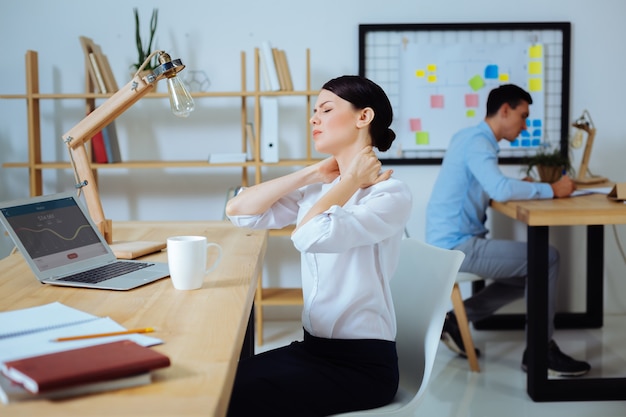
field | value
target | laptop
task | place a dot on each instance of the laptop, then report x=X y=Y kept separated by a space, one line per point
x=63 y=246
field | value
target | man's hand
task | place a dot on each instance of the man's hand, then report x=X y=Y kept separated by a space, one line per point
x=563 y=187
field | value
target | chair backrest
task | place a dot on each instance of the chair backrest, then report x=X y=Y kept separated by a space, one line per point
x=421 y=289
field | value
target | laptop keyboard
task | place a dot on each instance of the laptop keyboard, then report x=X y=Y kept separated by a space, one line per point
x=105 y=272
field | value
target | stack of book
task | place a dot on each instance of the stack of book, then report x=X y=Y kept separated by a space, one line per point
x=35 y=365
x=275 y=69
x=105 y=147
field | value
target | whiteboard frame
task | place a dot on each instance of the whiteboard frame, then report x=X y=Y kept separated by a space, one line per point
x=530 y=27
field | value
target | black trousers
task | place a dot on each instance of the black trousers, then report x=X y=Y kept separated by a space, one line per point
x=316 y=377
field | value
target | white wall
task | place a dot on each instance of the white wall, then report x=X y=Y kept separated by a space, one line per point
x=209 y=36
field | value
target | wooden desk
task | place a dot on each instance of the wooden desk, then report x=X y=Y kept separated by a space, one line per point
x=203 y=330
x=593 y=211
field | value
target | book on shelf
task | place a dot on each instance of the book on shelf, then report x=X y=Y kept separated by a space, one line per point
x=269 y=67
x=250 y=151
x=99 y=153
x=227 y=157
x=284 y=75
x=111 y=143
x=11 y=392
x=285 y=65
x=279 y=69
x=98 y=67
x=97 y=363
x=98 y=74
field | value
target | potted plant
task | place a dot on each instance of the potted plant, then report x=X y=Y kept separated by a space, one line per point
x=144 y=51
x=550 y=165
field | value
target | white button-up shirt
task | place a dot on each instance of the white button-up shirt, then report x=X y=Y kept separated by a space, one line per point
x=348 y=256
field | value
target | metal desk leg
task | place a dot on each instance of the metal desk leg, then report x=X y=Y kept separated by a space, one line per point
x=537 y=310
x=539 y=387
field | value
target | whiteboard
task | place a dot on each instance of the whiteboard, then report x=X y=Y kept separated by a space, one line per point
x=438 y=76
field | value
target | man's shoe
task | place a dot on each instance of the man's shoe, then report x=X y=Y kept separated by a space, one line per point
x=451 y=336
x=559 y=364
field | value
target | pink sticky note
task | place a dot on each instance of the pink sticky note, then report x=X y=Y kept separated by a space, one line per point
x=436 y=101
x=471 y=100
x=416 y=125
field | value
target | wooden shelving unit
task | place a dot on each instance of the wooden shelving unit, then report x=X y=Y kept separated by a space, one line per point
x=36 y=165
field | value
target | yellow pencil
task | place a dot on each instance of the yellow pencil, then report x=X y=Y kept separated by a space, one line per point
x=89 y=336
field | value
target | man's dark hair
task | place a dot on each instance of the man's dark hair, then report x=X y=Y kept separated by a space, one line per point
x=507 y=93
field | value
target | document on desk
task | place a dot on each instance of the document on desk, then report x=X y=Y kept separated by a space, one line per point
x=31 y=331
x=591 y=190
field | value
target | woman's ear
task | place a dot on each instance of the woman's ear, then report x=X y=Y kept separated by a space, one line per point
x=366 y=116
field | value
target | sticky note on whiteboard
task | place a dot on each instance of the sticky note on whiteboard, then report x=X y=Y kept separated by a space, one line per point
x=535 y=51
x=535 y=84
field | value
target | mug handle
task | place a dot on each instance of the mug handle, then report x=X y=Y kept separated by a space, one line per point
x=219 y=256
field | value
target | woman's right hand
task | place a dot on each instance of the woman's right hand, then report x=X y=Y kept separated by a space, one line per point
x=327 y=170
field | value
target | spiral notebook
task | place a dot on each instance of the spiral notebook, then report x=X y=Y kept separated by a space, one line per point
x=63 y=246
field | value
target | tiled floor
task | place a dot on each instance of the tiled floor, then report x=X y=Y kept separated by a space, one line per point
x=500 y=389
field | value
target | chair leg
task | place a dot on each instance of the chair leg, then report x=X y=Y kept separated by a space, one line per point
x=461 y=318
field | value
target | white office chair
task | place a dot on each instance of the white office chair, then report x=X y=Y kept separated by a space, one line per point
x=421 y=290
x=461 y=318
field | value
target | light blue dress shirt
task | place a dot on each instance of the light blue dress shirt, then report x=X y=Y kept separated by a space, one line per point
x=469 y=178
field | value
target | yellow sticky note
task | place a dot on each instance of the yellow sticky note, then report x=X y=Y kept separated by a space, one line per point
x=470 y=113
x=535 y=68
x=431 y=67
x=535 y=84
x=420 y=73
x=503 y=77
x=535 y=51
x=432 y=78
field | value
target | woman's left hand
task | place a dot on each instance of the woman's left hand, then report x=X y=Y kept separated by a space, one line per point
x=366 y=168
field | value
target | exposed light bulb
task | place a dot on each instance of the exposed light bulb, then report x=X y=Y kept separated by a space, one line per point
x=180 y=100
x=577 y=141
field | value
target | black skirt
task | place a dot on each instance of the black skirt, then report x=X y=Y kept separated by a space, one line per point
x=316 y=377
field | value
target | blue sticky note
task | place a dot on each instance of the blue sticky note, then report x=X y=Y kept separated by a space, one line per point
x=491 y=72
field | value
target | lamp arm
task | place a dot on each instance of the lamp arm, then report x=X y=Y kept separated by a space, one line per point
x=82 y=132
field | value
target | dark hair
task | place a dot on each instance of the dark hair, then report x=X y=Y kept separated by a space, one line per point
x=507 y=93
x=362 y=93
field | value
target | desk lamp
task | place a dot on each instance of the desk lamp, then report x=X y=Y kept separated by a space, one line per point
x=585 y=124
x=180 y=101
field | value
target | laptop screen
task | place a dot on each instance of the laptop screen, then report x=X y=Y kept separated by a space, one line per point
x=55 y=233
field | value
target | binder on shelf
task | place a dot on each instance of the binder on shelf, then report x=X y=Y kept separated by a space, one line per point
x=269 y=66
x=269 y=129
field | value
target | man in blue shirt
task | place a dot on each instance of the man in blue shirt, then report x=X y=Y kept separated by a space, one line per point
x=455 y=219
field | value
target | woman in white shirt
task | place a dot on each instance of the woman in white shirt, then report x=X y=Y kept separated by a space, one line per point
x=350 y=217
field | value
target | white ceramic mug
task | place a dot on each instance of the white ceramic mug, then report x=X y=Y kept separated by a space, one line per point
x=187 y=260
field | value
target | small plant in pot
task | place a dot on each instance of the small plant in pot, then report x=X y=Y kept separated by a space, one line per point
x=144 y=51
x=549 y=164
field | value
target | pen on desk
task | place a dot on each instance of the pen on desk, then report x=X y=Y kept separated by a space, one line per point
x=89 y=336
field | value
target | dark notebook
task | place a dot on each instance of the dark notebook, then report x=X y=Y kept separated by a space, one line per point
x=84 y=365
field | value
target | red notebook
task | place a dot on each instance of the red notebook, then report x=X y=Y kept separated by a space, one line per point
x=84 y=365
